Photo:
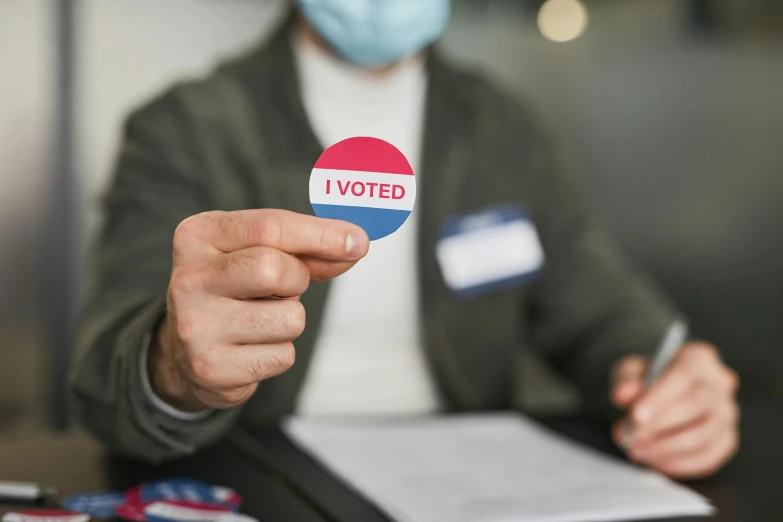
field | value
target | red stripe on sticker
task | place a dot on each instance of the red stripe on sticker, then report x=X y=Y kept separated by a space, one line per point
x=365 y=154
x=131 y=510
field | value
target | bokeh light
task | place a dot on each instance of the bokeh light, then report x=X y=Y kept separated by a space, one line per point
x=563 y=20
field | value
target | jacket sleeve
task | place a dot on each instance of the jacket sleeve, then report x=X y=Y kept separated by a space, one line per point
x=156 y=185
x=590 y=307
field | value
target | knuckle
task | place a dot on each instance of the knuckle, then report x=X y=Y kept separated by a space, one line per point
x=201 y=368
x=188 y=327
x=184 y=233
x=189 y=230
x=286 y=357
x=270 y=364
x=181 y=283
x=280 y=360
x=268 y=267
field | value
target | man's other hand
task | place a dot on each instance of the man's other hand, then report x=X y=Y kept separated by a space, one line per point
x=686 y=424
x=233 y=305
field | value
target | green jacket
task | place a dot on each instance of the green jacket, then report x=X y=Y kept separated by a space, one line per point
x=240 y=139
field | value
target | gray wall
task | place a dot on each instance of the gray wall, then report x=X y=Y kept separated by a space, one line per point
x=26 y=145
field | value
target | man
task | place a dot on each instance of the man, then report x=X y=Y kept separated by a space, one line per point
x=209 y=259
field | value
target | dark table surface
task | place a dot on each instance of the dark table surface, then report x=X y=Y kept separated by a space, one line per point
x=745 y=491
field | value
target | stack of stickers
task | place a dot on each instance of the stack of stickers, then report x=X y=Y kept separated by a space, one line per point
x=172 y=500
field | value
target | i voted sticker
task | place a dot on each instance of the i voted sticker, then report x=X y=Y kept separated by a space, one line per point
x=45 y=515
x=177 y=511
x=366 y=181
x=100 y=505
x=138 y=498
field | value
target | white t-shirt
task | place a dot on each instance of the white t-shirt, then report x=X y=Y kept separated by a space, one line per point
x=368 y=358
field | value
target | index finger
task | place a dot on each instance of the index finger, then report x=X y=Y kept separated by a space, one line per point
x=293 y=233
x=678 y=381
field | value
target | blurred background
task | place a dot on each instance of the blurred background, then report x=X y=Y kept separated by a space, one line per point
x=669 y=111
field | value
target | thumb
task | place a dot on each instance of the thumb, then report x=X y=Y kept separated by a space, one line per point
x=628 y=380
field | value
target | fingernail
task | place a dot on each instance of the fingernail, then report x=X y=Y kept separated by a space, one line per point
x=349 y=244
x=354 y=245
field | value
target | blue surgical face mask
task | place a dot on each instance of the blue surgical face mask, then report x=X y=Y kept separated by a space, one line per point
x=372 y=33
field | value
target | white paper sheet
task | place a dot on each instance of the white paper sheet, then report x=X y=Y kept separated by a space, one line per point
x=486 y=468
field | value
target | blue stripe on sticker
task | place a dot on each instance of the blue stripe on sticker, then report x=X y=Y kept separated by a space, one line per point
x=377 y=222
x=99 y=505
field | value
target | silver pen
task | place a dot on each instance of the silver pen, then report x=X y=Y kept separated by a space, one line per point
x=671 y=343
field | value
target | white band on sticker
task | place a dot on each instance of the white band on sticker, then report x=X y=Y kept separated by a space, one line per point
x=167 y=511
x=362 y=189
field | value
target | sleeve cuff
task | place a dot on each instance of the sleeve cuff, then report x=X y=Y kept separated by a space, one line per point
x=156 y=401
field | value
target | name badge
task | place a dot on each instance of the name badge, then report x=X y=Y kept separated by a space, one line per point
x=489 y=250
